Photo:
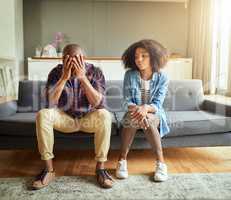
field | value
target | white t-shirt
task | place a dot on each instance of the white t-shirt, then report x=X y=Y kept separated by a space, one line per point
x=145 y=91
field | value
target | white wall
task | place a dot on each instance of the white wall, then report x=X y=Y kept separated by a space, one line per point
x=19 y=43
x=105 y=28
x=7 y=25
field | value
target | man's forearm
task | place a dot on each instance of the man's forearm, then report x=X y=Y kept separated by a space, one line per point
x=55 y=92
x=93 y=96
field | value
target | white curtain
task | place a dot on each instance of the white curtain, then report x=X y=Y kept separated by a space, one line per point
x=200 y=40
x=221 y=57
x=228 y=91
x=209 y=44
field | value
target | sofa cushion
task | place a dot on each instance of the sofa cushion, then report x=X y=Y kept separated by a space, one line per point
x=184 y=95
x=8 y=108
x=23 y=124
x=197 y=122
x=114 y=95
x=31 y=96
x=183 y=123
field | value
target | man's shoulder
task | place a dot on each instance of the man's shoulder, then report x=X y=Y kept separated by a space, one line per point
x=55 y=74
x=93 y=69
x=56 y=70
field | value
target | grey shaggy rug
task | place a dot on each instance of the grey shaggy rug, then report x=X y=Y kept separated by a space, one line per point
x=179 y=186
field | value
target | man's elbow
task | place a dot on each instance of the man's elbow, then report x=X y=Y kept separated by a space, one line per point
x=52 y=104
x=52 y=101
x=100 y=102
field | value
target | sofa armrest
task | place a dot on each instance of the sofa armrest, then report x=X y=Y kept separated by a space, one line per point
x=8 y=108
x=216 y=107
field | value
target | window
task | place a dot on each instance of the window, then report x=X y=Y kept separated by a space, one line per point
x=221 y=45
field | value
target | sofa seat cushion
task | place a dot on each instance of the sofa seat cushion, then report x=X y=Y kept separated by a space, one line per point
x=20 y=118
x=197 y=122
x=24 y=124
x=183 y=123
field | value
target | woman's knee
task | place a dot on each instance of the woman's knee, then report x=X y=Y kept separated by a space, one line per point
x=153 y=120
x=128 y=123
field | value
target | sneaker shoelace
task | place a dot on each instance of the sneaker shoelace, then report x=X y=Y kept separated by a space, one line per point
x=160 y=168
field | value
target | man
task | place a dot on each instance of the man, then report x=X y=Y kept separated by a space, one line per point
x=76 y=97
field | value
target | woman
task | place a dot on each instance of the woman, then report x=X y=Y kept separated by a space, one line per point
x=145 y=87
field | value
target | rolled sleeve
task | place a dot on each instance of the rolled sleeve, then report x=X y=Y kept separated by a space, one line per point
x=53 y=78
x=100 y=85
x=127 y=91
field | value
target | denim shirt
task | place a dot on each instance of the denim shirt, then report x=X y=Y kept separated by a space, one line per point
x=158 y=89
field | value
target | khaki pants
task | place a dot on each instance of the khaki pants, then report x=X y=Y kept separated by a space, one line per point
x=97 y=122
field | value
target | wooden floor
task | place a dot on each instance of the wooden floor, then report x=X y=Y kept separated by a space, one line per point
x=72 y=163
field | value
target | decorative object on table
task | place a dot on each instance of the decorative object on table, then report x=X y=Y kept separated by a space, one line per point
x=57 y=43
x=176 y=55
x=49 y=51
x=38 y=51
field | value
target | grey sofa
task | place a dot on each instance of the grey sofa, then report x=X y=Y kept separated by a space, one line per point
x=193 y=121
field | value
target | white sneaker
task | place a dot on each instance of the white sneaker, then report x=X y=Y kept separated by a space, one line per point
x=121 y=169
x=161 y=172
